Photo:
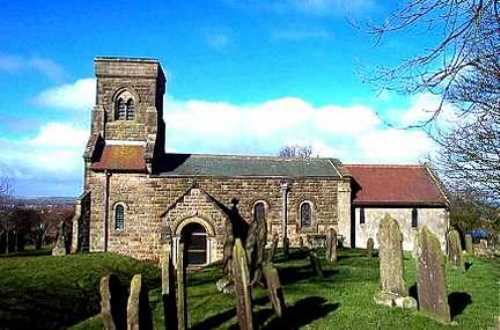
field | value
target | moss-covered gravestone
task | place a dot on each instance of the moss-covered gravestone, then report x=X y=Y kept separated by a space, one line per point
x=468 y=244
x=331 y=245
x=113 y=303
x=242 y=287
x=274 y=290
x=369 y=247
x=455 y=254
x=431 y=277
x=393 y=290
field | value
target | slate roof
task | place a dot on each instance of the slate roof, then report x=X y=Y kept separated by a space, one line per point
x=395 y=185
x=228 y=166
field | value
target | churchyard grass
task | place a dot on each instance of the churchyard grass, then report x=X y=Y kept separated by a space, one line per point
x=63 y=290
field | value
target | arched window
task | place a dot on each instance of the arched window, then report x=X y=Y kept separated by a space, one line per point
x=119 y=217
x=259 y=212
x=125 y=106
x=130 y=109
x=362 y=215
x=305 y=214
x=414 y=218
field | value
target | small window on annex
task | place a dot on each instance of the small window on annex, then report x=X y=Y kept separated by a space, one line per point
x=119 y=217
x=362 y=215
x=305 y=214
x=414 y=218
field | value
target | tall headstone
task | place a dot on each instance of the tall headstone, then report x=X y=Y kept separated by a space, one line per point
x=61 y=248
x=468 y=244
x=431 y=277
x=181 y=289
x=455 y=254
x=274 y=247
x=133 y=305
x=274 y=290
x=113 y=303
x=168 y=288
x=331 y=245
x=242 y=287
x=390 y=242
x=369 y=247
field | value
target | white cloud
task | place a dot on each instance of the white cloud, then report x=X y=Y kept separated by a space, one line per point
x=45 y=66
x=79 y=95
x=351 y=133
x=422 y=108
x=60 y=135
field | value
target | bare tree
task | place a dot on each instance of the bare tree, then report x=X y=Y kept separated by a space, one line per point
x=463 y=68
x=296 y=151
x=6 y=209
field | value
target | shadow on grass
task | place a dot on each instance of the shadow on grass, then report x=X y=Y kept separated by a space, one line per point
x=468 y=265
x=294 y=274
x=458 y=301
x=301 y=313
x=217 y=320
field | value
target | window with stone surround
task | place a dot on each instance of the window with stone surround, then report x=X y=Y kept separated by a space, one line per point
x=119 y=217
x=125 y=107
x=414 y=218
x=306 y=214
x=259 y=212
x=362 y=216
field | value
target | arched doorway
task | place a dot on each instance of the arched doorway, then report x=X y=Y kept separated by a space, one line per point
x=194 y=237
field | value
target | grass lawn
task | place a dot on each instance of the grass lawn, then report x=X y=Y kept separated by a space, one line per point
x=63 y=290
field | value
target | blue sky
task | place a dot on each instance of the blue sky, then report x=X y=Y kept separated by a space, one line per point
x=243 y=77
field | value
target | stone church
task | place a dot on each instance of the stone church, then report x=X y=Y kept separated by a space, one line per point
x=137 y=197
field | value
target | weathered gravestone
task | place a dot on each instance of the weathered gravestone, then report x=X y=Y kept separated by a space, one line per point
x=392 y=285
x=315 y=264
x=431 y=277
x=455 y=254
x=301 y=242
x=242 y=287
x=138 y=310
x=468 y=244
x=113 y=303
x=61 y=246
x=274 y=290
x=274 y=247
x=481 y=249
x=256 y=244
x=181 y=289
x=369 y=247
x=331 y=245
x=168 y=288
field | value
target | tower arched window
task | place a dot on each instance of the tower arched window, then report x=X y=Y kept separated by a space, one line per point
x=125 y=107
x=259 y=212
x=305 y=214
x=119 y=217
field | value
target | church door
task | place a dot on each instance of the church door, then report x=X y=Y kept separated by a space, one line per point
x=194 y=237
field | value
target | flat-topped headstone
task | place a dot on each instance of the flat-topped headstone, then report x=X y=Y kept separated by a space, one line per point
x=431 y=277
x=113 y=304
x=468 y=244
x=370 y=243
x=331 y=245
x=455 y=254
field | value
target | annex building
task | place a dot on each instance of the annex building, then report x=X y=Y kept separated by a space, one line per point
x=137 y=197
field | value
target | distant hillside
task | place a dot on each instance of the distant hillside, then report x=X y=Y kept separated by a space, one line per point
x=40 y=202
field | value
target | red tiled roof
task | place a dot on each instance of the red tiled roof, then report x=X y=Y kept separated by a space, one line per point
x=121 y=158
x=395 y=185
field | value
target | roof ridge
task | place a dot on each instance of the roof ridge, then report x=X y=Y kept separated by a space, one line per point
x=236 y=156
x=386 y=165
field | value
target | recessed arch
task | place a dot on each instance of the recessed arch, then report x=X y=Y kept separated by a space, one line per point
x=194 y=219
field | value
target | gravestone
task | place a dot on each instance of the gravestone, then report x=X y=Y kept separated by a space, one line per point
x=181 y=289
x=256 y=247
x=113 y=304
x=242 y=287
x=301 y=242
x=431 y=277
x=274 y=247
x=61 y=247
x=331 y=245
x=455 y=254
x=369 y=247
x=274 y=289
x=315 y=263
x=481 y=249
x=468 y=244
x=393 y=290
x=168 y=288
x=138 y=310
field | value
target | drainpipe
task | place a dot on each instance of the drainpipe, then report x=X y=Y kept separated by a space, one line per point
x=284 y=212
x=106 y=209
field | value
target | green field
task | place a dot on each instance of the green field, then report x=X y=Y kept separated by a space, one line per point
x=44 y=292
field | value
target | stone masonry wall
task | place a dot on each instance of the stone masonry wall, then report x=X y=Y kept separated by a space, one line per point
x=437 y=219
x=147 y=198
